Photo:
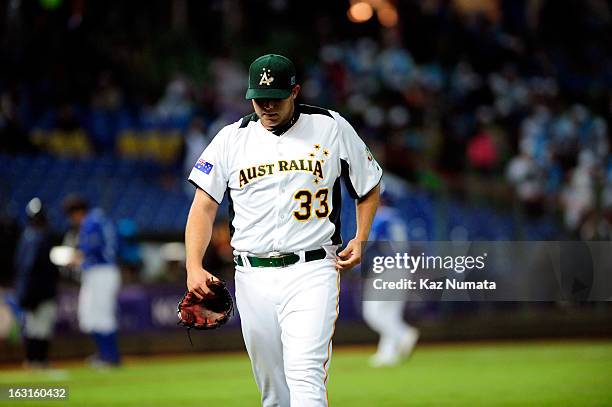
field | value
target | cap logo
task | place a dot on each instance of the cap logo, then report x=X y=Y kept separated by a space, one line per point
x=265 y=78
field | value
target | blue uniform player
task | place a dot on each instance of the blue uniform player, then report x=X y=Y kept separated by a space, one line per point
x=397 y=339
x=100 y=278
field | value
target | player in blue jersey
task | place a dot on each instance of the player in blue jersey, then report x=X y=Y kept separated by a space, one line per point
x=397 y=338
x=100 y=277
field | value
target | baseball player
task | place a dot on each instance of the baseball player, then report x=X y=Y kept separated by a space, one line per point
x=280 y=168
x=36 y=285
x=100 y=278
x=397 y=338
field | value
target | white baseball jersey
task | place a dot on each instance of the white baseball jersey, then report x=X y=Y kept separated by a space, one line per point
x=284 y=190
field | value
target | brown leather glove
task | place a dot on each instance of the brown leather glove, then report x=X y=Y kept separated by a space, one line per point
x=210 y=312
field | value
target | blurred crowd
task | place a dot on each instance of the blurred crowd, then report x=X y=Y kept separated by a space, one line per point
x=460 y=93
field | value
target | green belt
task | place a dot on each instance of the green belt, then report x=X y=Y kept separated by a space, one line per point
x=282 y=260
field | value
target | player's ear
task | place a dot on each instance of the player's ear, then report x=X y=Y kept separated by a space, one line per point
x=295 y=91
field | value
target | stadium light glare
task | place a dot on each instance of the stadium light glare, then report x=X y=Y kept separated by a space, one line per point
x=387 y=16
x=360 y=12
x=61 y=256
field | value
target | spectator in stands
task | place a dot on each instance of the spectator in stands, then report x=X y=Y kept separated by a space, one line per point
x=529 y=184
x=36 y=286
x=175 y=107
x=13 y=135
x=482 y=151
x=578 y=196
x=107 y=96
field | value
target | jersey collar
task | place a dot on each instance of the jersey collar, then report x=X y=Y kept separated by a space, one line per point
x=284 y=128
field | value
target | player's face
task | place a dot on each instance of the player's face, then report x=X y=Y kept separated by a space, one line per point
x=275 y=112
x=76 y=218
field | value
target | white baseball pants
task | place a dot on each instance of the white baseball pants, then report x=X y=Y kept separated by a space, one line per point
x=39 y=323
x=288 y=317
x=97 y=310
x=387 y=319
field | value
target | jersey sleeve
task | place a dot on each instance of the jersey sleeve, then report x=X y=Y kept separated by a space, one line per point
x=209 y=172
x=360 y=170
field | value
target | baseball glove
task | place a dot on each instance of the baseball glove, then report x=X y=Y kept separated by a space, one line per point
x=208 y=313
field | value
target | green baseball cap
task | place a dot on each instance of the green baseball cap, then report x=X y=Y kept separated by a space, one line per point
x=271 y=77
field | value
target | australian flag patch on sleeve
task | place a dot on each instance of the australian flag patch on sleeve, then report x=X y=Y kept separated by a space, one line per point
x=204 y=166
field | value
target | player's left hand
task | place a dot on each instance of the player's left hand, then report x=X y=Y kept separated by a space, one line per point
x=350 y=256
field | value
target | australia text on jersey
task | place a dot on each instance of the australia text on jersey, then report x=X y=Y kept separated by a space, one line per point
x=315 y=167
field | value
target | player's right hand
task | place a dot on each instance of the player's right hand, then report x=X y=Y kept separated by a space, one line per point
x=197 y=282
x=350 y=256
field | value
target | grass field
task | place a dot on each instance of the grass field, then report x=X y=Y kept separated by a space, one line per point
x=491 y=374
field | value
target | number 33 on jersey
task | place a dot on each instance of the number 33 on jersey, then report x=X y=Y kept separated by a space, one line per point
x=284 y=191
